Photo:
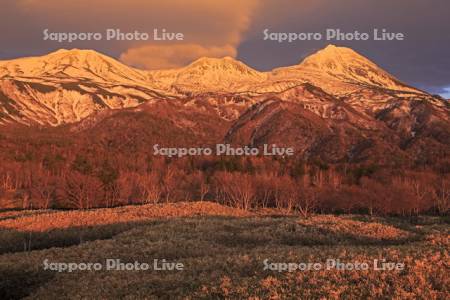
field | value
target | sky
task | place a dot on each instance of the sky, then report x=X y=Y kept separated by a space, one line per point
x=218 y=28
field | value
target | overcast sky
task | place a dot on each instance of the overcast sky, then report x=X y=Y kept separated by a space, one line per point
x=235 y=28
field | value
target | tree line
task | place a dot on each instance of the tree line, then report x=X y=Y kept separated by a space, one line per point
x=84 y=180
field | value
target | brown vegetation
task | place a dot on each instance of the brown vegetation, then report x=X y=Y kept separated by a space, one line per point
x=223 y=255
x=45 y=169
x=48 y=220
x=241 y=183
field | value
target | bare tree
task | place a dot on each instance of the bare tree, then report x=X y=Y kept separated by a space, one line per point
x=266 y=187
x=42 y=190
x=307 y=200
x=151 y=187
x=82 y=191
x=6 y=181
x=238 y=189
x=169 y=181
x=204 y=190
x=442 y=196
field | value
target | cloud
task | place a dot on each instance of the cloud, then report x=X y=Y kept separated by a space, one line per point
x=210 y=27
x=172 y=56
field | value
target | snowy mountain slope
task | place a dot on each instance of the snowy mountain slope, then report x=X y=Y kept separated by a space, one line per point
x=67 y=86
x=75 y=63
x=210 y=75
x=340 y=70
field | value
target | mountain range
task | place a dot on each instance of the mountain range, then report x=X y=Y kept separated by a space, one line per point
x=336 y=104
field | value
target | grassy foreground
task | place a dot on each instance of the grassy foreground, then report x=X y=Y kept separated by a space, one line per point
x=223 y=253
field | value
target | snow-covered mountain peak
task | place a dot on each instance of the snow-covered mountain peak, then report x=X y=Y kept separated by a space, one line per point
x=340 y=70
x=336 y=59
x=226 y=64
x=213 y=74
x=74 y=63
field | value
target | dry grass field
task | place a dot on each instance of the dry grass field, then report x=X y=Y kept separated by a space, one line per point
x=224 y=252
